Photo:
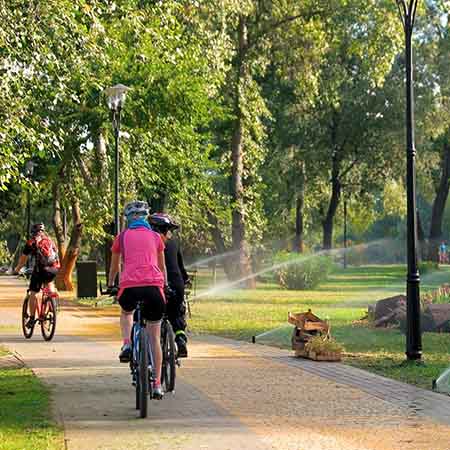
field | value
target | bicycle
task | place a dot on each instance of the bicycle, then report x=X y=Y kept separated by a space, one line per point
x=141 y=364
x=46 y=314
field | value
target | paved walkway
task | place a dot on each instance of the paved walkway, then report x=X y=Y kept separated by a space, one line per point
x=230 y=395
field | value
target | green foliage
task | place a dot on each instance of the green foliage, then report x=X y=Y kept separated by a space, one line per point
x=384 y=251
x=438 y=296
x=321 y=345
x=427 y=267
x=302 y=272
x=4 y=254
x=394 y=199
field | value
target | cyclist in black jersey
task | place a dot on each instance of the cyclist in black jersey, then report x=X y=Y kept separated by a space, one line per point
x=177 y=278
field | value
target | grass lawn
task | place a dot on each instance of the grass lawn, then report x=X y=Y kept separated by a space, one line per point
x=343 y=299
x=25 y=419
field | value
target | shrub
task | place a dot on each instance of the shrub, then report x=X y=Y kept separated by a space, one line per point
x=4 y=254
x=320 y=345
x=438 y=296
x=297 y=272
x=427 y=266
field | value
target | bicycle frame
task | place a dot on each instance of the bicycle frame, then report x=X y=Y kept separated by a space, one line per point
x=40 y=297
x=139 y=326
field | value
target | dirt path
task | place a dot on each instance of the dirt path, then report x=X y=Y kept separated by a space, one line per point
x=229 y=395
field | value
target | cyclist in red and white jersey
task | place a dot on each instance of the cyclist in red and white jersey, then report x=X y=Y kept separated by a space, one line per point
x=46 y=265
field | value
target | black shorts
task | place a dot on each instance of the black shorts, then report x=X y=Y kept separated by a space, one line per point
x=154 y=304
x=39 y=278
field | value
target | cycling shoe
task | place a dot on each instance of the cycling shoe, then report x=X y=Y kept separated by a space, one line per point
x=125 y=354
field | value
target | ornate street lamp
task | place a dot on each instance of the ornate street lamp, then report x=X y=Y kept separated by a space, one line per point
x=115 y=97
x=407 y=10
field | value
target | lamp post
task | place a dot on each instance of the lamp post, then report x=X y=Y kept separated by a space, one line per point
x=115 y=96
x=345 y=231
x=407 y=10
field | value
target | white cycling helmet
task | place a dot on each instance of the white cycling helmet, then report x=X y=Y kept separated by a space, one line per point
x=136 y=208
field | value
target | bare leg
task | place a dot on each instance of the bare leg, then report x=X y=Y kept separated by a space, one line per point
x=154 y=334
x=33 y=301
x=126 y=323
x=51 y=286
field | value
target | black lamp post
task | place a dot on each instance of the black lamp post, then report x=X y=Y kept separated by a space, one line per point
x=116 y=97
x=407 y=10
x=345 y=231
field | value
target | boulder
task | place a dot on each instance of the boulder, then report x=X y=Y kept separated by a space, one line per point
x=386 y=306
x=396 y=317
x=436 y=318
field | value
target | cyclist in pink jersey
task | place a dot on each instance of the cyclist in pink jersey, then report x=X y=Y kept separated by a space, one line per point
x=143 y=277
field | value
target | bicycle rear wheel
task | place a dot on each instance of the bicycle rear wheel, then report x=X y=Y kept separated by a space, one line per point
x=27 y=332
x=168 y=370
x=143 y=379
x=134 y=363
x=48 y=319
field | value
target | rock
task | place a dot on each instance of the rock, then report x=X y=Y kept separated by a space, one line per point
x=395 y=317
x=436 y=318
x=386 y=306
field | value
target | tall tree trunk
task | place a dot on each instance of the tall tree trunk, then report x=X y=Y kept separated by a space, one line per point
x=64 y=277
x=58 y=225
x=240 y=244
x=299 y=203
x=219 y=242
x=328 y=222
x=421 y=237
x=439 y=204
x=101 y=156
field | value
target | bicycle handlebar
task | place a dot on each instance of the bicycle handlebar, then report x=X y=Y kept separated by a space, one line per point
x=112 y=291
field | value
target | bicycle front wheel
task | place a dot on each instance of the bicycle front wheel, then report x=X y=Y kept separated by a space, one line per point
x=27 y=332
x=168 y=370
x=48 y=319
x=143 y=378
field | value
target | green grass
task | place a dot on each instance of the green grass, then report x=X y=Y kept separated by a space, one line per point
x=343 y=299
x=25 y=419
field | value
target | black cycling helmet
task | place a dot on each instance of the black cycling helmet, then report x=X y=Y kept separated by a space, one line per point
x=162 y=223
x=37 y=228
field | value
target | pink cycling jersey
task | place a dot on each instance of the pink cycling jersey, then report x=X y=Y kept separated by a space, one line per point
x=140 y=259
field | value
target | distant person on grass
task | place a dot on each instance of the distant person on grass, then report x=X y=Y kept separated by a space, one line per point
x=46 y=265
x=443 y=255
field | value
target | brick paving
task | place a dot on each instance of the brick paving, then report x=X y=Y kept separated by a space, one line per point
x=418 y=402
x=230 y=395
